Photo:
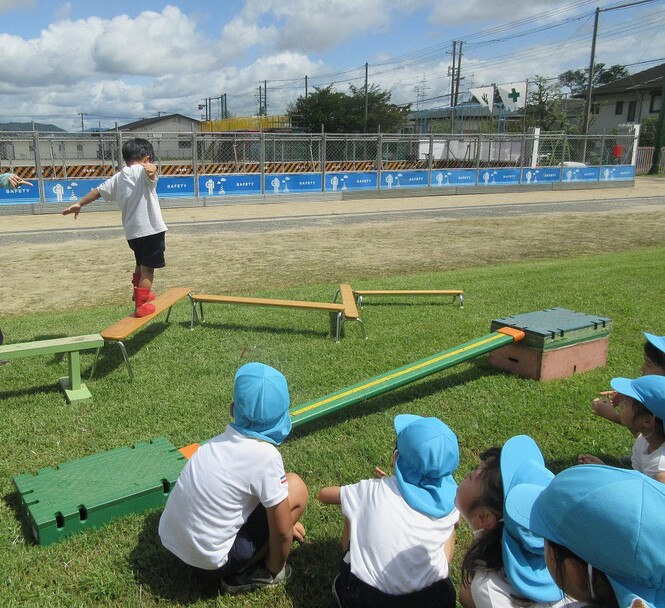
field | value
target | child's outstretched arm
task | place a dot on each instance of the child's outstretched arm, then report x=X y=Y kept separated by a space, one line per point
x=330 y=495
x=93 y=195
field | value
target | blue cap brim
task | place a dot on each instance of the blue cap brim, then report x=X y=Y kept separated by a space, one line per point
x=657 y=341
x=625 y=387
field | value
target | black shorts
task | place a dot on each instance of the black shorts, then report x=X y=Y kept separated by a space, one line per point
x=149 y=250
x=252 y=536
x=354 y=593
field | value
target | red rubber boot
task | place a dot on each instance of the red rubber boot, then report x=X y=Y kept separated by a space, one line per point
x=136 y=278
x=143 y=308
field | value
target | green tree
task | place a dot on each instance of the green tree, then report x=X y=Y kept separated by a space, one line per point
x=576 y=80
x=545 y=106
x=345 y=113
x=648 y=128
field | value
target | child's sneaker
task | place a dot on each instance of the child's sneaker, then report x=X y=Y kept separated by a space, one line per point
x=255 y=578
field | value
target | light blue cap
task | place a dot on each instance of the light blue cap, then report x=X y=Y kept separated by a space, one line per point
x=648 y=390
x=428 y=455
x=522 y=463
x=261 y=403
x=612 y=519
x=657 y=341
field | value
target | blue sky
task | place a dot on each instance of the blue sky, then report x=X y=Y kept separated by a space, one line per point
x=118 y=61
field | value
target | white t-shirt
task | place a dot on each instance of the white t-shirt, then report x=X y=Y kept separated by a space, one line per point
x=491 y=589
x=224 y=481
x=136 y=195
x=646 y=463
x=393 y=547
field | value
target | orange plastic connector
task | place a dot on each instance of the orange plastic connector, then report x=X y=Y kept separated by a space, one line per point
x=188 y=450
x=517 y=334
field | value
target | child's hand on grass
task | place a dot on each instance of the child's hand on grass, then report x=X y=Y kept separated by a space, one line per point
x=589 y=459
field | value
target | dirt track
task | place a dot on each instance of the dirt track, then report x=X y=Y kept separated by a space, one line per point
x=302 y=243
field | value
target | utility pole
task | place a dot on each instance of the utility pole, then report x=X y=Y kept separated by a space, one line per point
x=305 y=86
x=82 y=114
x=587 y=107
x=452 y=75
x=265 y=98
x=589 y=86
x=260 y=100
x=459 y=69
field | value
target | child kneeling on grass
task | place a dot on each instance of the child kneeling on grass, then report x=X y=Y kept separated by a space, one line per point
x=234 y=512
x=505 y=565
x=399 y=531
x=642 y=411
x=604 y=534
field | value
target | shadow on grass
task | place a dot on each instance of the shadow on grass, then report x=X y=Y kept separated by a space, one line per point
x=110 y=356
x=403 y=395
x=263 y=329
x=612 y=460
x=314 y=567
x=13 y=501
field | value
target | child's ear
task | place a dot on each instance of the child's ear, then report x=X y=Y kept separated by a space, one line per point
x=483 y=518
x=645 y=424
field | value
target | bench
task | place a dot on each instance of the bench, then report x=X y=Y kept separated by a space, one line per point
x=120 y=331
x=338 y=310
x=455 y=293
x=72 y=386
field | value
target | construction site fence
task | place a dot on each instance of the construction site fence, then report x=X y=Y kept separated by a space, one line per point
x=64 y=166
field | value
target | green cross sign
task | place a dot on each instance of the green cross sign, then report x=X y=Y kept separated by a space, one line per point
x=514 y=95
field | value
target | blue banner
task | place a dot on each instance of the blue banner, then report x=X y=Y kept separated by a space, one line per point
x=23 y=195
x=541 y=175
x=403 y=179
x=340 y=182
x=441 y=178
x=222 y=185
x=68 y=191
x=499 y=177
x=617 y=173
x=580 y=174
x=174 y=187
x=283 y=183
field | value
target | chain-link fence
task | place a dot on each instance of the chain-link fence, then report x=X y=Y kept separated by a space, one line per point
x=42 y=156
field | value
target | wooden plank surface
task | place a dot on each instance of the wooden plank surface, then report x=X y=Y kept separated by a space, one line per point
x=56 y=345
x=220 y=299
x=127 y=326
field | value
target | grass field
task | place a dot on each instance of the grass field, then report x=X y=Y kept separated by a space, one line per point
x=183 y=386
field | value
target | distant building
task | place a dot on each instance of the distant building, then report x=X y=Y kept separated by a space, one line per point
x=628 y=100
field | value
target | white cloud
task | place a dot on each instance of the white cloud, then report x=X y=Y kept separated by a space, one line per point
x=152 y=44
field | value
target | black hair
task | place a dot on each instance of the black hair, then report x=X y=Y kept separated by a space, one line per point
x=486 y=552
x=639 y=409
x=605 y=596
x=655 y=354
x=137 y=149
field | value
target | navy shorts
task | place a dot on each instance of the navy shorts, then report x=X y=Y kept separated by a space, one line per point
x=354 y=593
x=252 y=536
x=149 y=250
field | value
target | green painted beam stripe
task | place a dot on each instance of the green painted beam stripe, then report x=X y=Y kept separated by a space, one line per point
x=396 y=378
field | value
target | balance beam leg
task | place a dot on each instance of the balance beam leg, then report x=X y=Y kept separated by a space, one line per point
x=336 y=295
x=194 y=316
x=126 y=358
x=94 y=363
x=75 y=391
x=338 y=326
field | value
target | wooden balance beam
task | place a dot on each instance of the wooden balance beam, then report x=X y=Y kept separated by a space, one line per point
x=123 y=329
x=71 y=384
x=344 y=311
x=359 y=294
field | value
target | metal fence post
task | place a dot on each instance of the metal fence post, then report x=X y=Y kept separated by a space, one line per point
x=262 y=160
x=379 y=152
x=195 y=163
x=430 y=159
x=322 y=158
x=38 y=167
x=118 y=135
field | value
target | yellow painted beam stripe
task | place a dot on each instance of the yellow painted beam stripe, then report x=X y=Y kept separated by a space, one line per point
x=397 y=374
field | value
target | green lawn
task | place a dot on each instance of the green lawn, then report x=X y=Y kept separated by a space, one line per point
x=183 y=386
